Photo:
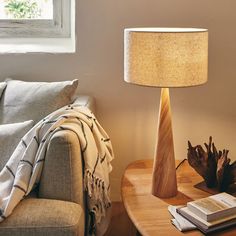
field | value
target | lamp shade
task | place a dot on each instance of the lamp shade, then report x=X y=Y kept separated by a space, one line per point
x=166 y=57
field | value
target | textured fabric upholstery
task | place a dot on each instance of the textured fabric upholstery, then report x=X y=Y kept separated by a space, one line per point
x=63 y=167
x=87 y=101
x=2 y=87
x=59 y=209
x=39 y=217
x=10 y=136
x=34 y=100
x=66 y=173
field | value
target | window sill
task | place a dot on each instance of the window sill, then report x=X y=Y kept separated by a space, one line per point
x=37 y=45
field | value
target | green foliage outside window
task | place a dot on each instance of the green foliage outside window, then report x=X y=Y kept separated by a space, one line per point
x=22 y=9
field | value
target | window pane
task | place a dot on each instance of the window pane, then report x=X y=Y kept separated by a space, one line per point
x=26 y=9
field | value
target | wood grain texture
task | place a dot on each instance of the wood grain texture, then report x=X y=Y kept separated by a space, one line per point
x=164 y=182
x=149 y=213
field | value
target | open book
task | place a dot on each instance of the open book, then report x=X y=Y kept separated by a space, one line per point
x=207 y=214
x=213 y=207
x=205 y=226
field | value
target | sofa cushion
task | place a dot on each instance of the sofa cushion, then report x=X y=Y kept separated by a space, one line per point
x=10 y=136
x=2 y=87
x=86 y=101
x=34 y=100
x=37 y=217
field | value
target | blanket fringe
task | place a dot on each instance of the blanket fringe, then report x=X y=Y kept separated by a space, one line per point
x=98 y=193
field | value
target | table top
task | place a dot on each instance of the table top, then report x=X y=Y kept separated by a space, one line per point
x=149 y=213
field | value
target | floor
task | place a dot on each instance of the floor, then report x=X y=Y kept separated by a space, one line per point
x=120 y=225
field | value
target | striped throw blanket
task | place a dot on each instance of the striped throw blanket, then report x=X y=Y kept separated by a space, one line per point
x=23 y=170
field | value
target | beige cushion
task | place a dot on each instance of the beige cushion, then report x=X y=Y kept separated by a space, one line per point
x=42 y=217
x=34 y=100
x=86 y=101
x=2 y=87
x=10 y=136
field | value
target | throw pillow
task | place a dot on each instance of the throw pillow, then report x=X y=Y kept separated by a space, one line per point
x=34 y=100
x=2 y=87
x=10 y=136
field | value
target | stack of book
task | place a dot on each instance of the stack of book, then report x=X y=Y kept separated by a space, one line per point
x=212 y=213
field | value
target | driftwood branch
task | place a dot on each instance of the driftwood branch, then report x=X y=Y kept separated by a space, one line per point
x=213 y=165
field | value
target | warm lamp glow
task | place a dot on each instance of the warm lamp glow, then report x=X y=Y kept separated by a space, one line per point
x=166 y=57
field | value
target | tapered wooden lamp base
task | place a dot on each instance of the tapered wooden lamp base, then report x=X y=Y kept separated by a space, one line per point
x=164 y=184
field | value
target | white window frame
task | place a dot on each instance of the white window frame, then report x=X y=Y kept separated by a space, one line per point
x=58 y=27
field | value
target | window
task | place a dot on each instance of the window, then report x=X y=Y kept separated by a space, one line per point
x=37 y=26
x=37 y=9
x=35 y=18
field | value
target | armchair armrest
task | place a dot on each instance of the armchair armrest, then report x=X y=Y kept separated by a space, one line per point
x=62 y=175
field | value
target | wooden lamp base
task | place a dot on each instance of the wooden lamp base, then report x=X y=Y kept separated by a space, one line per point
x=164 y=183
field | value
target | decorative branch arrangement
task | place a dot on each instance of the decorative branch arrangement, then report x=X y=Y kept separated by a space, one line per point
x=214 y=166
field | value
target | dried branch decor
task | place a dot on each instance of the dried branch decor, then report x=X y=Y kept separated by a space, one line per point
x=213 y=165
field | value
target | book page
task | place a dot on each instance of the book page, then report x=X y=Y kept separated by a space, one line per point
x=206 y=223
x=213 y=204
x=210 y=205
x=225 y=198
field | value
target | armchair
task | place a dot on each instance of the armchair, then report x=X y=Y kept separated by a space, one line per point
x=57 y=206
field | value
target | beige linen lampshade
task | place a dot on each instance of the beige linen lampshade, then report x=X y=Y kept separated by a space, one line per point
x=165 y=57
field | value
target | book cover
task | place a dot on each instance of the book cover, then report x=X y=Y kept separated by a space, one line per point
x=205 y=226
x=214 y=207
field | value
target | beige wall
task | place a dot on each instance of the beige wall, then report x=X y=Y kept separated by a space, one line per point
x=127 y=112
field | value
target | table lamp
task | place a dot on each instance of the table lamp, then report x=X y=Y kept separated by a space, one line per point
x=165 y=57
